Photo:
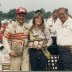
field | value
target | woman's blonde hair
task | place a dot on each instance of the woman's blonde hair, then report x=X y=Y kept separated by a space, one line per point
x=33 y=22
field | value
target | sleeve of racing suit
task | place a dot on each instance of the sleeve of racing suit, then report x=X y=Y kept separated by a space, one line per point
x=6 y=37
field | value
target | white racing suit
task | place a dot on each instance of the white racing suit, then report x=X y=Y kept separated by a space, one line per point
x=15 y=38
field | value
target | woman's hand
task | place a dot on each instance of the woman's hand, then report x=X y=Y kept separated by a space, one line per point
x=44 y=46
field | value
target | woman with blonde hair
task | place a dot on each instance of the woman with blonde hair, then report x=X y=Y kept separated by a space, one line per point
x=39 y=40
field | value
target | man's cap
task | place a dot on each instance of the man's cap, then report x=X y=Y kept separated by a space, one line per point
x=21 y=10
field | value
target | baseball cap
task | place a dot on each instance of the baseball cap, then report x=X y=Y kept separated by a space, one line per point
x=21 y=10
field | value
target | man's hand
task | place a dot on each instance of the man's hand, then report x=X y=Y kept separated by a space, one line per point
x=13 y=54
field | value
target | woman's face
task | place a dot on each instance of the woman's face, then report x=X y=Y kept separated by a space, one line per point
x=38 y=20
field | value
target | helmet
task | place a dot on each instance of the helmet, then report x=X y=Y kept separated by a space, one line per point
x=21 y=10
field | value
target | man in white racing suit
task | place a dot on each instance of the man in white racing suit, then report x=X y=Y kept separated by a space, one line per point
x=15 y=40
